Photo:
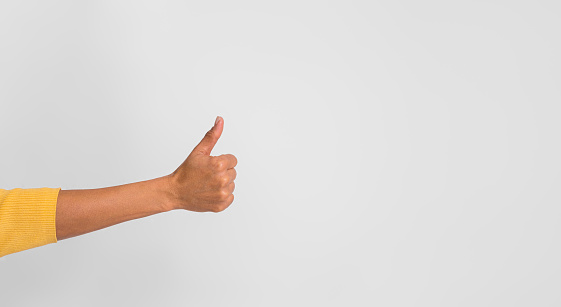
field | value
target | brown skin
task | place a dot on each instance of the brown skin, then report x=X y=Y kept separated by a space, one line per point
x=202 y=183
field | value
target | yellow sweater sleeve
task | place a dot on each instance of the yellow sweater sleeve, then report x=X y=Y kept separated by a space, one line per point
x=27 y=218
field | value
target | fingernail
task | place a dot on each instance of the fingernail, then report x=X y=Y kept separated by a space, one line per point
x=216 y=121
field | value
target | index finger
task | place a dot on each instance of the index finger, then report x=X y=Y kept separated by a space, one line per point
x=230 y=160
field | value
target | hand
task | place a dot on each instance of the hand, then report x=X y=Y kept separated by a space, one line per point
x=203 y=182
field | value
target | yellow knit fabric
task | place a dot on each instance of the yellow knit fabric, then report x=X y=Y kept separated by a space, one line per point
x=27 y=218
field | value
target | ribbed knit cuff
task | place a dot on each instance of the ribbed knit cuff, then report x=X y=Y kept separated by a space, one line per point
x=27 y=218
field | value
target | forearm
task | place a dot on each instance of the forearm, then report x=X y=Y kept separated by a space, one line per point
x=83 y=211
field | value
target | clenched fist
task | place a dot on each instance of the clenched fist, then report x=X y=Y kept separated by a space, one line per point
x=204 y=182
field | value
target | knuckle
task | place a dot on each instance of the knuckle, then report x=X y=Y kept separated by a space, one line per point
x=223 y=194
x=216 y=207
x=220 y=207
x=219 y=164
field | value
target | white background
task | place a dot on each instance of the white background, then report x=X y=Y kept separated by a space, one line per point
x=391 y=153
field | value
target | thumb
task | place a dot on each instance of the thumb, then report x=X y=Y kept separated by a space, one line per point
x=211 y=137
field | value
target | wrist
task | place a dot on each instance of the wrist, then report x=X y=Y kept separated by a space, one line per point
x=166 y=193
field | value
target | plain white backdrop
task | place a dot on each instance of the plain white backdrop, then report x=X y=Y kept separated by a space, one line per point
x=390 y=153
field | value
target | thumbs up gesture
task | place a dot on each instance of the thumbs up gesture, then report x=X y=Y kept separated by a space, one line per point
x=203 y=182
